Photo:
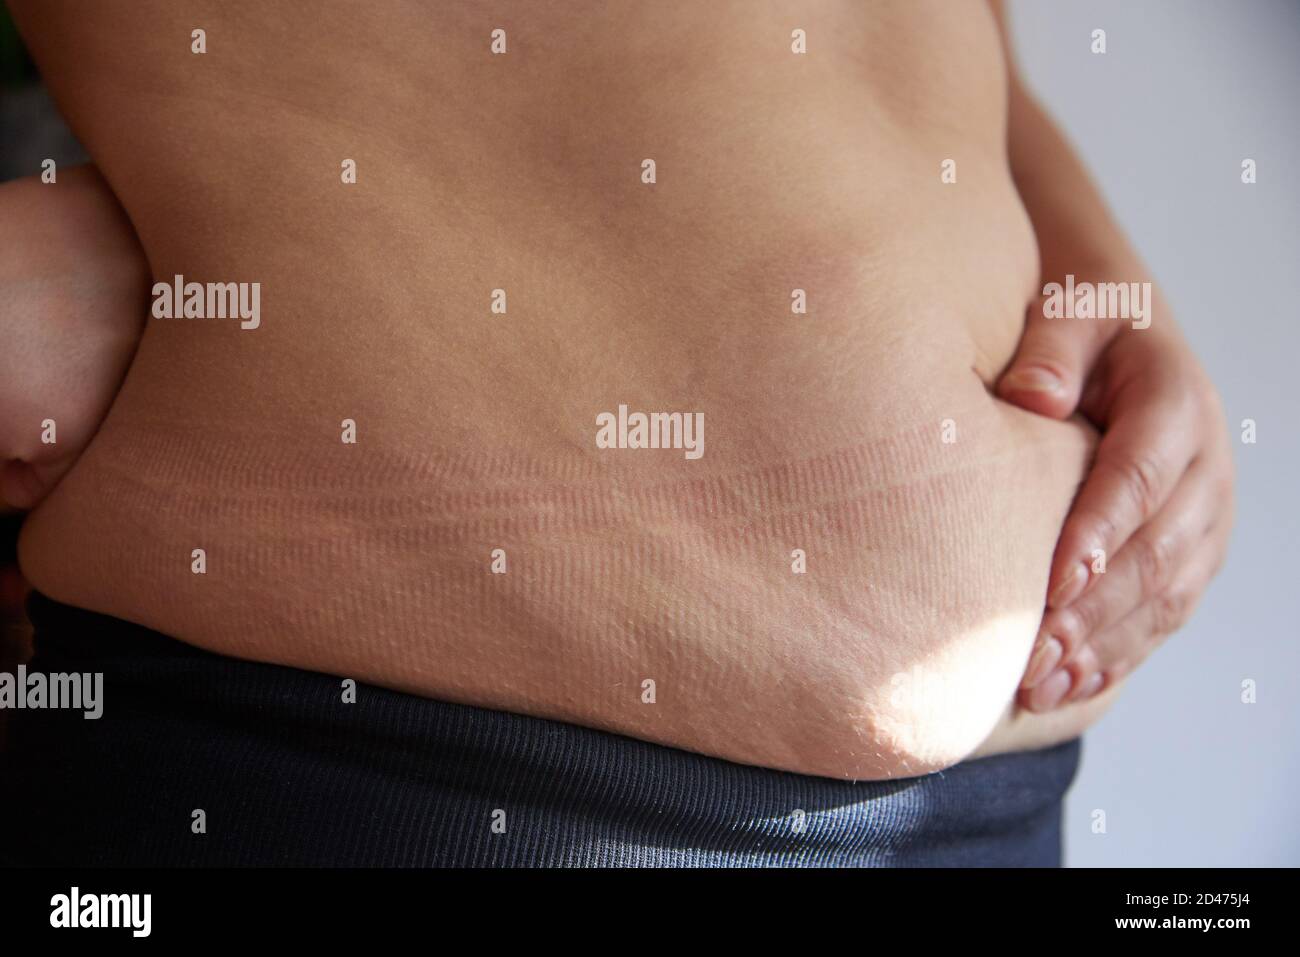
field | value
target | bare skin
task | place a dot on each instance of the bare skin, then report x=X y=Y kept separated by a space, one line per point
x=74 y=279
x=898 y=651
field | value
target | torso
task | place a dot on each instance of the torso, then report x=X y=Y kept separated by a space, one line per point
x=476 y=431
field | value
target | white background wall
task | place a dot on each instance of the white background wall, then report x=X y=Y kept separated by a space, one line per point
x=1186 y=773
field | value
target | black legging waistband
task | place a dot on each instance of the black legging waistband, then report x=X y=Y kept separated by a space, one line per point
x=200 y=759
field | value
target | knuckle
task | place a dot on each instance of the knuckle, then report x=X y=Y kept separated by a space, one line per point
x=1097 y=529
x=1117 y=671
x=1170 y=611
x=1225 y=490
x=1140 y=476
x=1155 y=562
x=1224 y=486
x=1153 y=644
x=1210 y=400
x=1084 y=664
x=1220 y=559
x=1073 y=626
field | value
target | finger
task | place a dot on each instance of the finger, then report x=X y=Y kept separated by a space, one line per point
x=1146 y=564
x=1105 y=657
x=23 y=484
x=1060 y=682
x=1111 y=655
x=1052 y=362
x=1141 y=457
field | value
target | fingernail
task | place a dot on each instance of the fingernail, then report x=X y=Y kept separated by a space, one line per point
x=1032 y=379
x=1054 y=687
x=1069 y=588
x=1046 y=654
x=1090 y=687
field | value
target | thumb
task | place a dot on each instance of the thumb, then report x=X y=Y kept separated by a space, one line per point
x=1053 y=362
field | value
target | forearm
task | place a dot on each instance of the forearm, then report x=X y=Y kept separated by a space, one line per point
x=1075 y=229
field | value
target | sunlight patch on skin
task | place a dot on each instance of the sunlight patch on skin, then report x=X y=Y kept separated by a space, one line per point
x=942 y=708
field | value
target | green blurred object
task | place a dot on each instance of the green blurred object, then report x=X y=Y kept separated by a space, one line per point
x=15 y=65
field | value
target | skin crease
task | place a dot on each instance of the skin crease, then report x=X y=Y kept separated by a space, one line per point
x=812 y=687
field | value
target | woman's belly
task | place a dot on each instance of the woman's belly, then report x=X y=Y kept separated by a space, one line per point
x=393 y=478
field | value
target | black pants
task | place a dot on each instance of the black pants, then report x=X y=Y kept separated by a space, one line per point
x=199 y=759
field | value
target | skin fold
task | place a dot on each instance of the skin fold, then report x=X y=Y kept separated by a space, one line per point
x=866 y=434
